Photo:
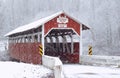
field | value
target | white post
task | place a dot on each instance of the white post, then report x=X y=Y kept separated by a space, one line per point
x=80 y=45
x=58 y=68
x=46 y=40
x=32 y=38
x=38 y=37
x=43 y=39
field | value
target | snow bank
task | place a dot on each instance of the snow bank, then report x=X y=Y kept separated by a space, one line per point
x=50 y=61
x=100 y=60
x=82 y=71
x=22 y=70
x=53 y=63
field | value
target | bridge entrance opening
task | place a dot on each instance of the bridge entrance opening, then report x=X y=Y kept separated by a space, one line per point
x=63 y=43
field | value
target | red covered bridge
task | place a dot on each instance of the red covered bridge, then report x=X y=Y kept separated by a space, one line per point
x=56 y=35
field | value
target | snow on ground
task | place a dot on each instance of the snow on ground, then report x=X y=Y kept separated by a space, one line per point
x=22 y=70
x=82 y=71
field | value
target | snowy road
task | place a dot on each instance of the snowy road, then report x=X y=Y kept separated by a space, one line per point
x=81 y=71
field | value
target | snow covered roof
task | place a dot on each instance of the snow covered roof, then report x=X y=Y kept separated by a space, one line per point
x=35 y=24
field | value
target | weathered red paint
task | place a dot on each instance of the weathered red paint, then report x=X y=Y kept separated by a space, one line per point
x=25 y=52
x=53 y=24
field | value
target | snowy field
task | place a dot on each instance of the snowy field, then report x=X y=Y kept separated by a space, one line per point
x=22 y=70
x=81 y=71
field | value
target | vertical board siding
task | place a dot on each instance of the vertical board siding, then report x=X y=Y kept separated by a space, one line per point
x=26 y=52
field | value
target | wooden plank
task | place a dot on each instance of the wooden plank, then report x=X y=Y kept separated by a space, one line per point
x=57 y=43
x=72 y=44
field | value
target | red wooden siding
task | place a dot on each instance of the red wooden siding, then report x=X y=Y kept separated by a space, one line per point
x=26 y=52
x=53 y=24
